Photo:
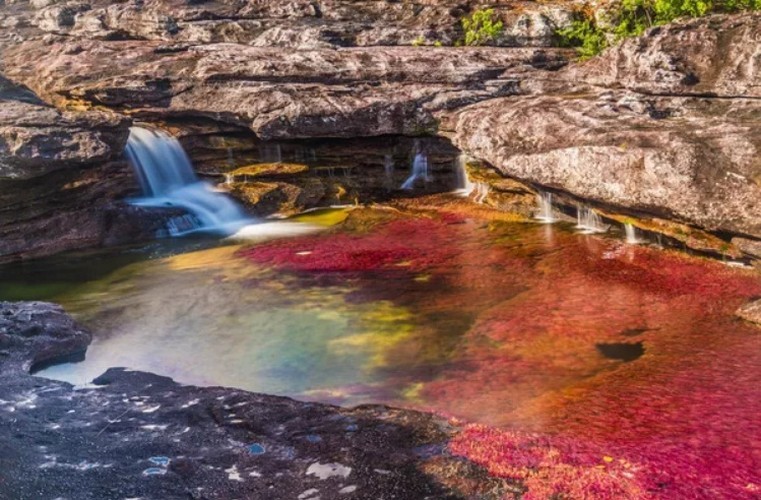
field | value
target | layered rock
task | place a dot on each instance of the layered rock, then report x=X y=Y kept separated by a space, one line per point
x=298 y=24
x=694 y=160
x=141 y=435
x=667 y=124
x=62 y=179
x=317 y=93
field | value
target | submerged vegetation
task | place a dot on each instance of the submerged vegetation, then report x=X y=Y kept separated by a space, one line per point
x=593 y=32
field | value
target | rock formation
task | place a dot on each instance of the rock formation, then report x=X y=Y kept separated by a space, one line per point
x=664 y=125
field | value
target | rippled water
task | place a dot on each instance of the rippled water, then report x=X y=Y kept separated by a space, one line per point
x=525 y=326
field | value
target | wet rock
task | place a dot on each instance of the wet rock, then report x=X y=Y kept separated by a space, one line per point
x=33 y=333
x=751 y=312
x=622 y=351
x=627 y=130
x=135 y=434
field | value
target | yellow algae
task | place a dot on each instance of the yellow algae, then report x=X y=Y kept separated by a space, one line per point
x=269 y=169
x=204 y=259
x=327 y=217
x=413 y=391
x=382 y=328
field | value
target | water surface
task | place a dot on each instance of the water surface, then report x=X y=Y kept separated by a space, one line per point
x=519 y=326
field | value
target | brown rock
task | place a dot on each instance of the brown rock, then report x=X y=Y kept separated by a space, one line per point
x=689 y=159
x=319 y=93
x=751 y=312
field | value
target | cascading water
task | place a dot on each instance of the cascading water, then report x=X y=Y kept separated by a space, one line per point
x=167 y=179
x=589 y=221
x=482 y=192
x=545 y=212
x=419 y=171
x=632 y=235
x=464 y=184
x=388 y=167
x=270 y=153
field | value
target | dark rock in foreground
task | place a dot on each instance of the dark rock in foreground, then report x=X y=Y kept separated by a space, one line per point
x=135 y=435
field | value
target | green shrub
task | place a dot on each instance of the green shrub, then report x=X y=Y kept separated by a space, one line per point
x=419 y=41
x=584 y=34
x=481 y=28
x=740 y=5
x=633 y=17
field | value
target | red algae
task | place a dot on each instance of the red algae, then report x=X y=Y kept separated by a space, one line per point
x=680 y=421
x=411 y=244
x=550 y=468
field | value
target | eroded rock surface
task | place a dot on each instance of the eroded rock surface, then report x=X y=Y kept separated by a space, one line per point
x=278 y=95
x=668 y=124
x=135 y=434
x=665 y=125
x=62 y=179
x=299 y=24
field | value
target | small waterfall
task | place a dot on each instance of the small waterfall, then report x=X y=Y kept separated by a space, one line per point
x=388 y=167
x=419 y=171
x=167 y=179
x=588 y=221
x=545 y=212
x=230 y=158
x=270 y=153
x=632 y=235
x=482 y=192
x=304 y=155
x=229 y=178
x=464 y=184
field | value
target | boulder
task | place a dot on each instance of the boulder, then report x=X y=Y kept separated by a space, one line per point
x=690 y=159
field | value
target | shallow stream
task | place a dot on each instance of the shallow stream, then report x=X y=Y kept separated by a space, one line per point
x=515 y=325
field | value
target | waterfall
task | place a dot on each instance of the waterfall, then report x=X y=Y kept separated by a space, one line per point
x=464 y=184
x=482 y=192
x=270 y=153
x=388 y=167
x=589 y=221
x=419 y=171
x=545 y=212
x=632 y=234
x=167 y=179
x=230 y=158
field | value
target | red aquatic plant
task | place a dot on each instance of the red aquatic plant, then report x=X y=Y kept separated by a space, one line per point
x=549 y=468
x=411 y=245
x=680 y=421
